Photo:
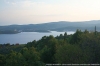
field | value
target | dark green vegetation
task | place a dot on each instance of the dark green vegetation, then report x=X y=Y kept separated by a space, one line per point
x=54 y=26
x=83 y=47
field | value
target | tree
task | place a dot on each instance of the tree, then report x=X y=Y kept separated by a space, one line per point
x=76 y=37
x=31 y=56
x=15 y=59
x=90 y=44
x=86 y=31
x=68 y=54
x=65 y=36
x=2 y=60
x=47 y=53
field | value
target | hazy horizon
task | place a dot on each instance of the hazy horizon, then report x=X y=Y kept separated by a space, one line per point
x=44 y=11
x=47 y=22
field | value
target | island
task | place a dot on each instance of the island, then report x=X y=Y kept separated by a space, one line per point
x=9 y=32
x=32 y=30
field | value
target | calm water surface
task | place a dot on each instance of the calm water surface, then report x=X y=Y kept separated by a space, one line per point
x=25 y=37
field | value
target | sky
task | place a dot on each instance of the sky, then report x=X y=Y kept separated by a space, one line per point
x=43 y=11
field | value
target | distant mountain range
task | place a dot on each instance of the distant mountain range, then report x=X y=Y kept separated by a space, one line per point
x=56 y=26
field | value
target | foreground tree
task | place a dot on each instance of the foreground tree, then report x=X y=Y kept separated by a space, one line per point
x=15 y=59
x=2 y=60
x=68 y=54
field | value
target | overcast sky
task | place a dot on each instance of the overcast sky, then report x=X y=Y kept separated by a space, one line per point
x=41 y=11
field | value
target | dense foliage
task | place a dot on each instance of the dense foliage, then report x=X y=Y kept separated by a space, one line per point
x=83 y=47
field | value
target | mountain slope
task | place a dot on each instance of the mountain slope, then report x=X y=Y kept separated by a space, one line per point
x=58 y=26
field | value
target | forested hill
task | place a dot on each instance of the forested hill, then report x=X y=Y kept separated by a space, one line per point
x=57 y=26
x=82 y=47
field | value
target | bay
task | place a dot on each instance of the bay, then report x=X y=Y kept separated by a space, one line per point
x=24 y=37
